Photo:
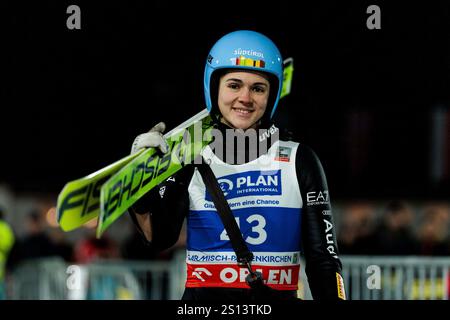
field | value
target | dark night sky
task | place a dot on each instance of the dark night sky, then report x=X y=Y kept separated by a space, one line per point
x=75 y=99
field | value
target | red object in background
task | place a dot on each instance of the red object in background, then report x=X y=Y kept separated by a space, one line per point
x=91 y=249
x=448 y=286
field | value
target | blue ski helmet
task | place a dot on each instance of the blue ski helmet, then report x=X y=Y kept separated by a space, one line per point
x=244 y=49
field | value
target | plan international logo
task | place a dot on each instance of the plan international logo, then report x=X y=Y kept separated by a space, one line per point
x=250 y=183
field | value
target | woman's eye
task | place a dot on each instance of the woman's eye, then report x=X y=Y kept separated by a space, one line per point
x=259 y=89
x=233 y=86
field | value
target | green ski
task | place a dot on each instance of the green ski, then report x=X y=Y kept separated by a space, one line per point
x=150 y=168
x=79 y=201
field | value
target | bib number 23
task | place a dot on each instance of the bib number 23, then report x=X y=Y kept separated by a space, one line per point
x=258 y=229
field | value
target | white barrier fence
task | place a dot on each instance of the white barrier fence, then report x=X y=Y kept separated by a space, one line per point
x=396 y=278
x=365 y=278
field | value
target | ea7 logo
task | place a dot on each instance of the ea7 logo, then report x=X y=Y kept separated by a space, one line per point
x=316 y=198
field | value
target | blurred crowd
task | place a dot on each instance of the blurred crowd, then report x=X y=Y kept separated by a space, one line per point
x=397 y=228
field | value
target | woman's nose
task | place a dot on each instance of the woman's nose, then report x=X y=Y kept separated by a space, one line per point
x=245 y=95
